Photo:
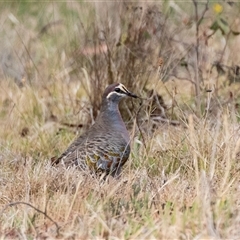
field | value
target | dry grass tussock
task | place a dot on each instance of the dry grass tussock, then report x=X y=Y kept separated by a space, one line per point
x=185 y=183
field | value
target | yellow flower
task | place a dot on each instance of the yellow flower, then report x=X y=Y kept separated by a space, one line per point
x=218 y=8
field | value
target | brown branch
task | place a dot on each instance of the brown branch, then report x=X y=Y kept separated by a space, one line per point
x=203 y=13
x=166 y=120
x=49 y=25
x=198 y=21
x=36 y=209
x=138 y=125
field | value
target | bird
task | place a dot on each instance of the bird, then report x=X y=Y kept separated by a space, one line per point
x=105 y=147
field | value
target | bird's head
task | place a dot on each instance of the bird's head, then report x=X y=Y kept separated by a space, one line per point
x=116 y=92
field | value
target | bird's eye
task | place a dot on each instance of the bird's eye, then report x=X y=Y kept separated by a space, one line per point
x=118 y=90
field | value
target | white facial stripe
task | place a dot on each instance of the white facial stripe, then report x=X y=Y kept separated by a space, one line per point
x=113 y=93
x=123 y=88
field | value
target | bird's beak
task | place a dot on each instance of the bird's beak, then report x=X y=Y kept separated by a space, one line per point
x=127 y=92
x=132 y=95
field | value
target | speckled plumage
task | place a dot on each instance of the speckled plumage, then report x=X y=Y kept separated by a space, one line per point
x=106 y=145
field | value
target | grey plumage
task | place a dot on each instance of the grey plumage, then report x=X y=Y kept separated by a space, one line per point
x=106 y=145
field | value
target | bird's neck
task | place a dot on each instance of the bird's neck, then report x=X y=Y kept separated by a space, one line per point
x=111 y=113
x=111 y=116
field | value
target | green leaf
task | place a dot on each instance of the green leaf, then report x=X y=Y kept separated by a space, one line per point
x=214 y=26
x=220 y=24
x=223 y=22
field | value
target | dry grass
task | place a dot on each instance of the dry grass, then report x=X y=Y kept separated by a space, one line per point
x=181 y=182
x=185 y=184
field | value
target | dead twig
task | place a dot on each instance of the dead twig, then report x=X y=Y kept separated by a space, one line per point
x=49 y=25
x=137 y=122
x=198 y=20
x=36 y=209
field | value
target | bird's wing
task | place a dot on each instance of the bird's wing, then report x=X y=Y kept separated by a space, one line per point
x=70 y=155
x=107 y=157
x=96 y=153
